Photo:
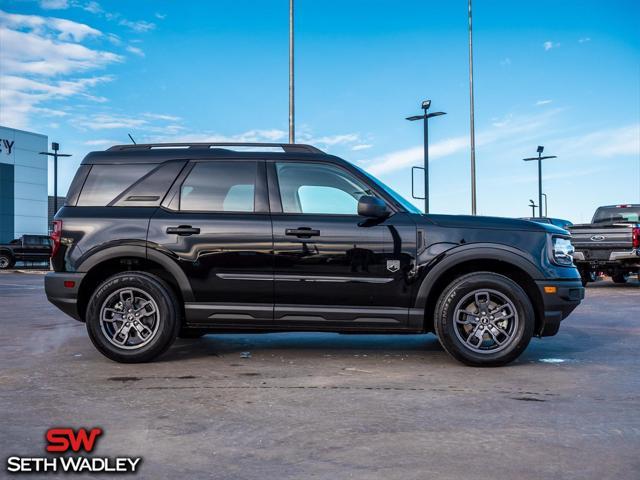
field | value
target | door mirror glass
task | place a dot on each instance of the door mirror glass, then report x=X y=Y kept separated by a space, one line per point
x=372 y=207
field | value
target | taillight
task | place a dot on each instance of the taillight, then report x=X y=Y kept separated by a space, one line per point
x=636 y=237
x=56 y=235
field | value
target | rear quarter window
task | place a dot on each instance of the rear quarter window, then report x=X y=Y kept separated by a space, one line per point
x=105 y=182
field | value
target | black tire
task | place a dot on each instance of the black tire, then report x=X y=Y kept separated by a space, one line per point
x=191 y=333
x=165 y=323
x=519 y=327
x=588 y=276
x=6 y=261
x=620 y=278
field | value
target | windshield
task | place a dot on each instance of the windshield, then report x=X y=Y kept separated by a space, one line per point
x=617 y=215
x=407 y=205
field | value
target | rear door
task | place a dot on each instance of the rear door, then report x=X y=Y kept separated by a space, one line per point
x=215 y=225
x=334 y=268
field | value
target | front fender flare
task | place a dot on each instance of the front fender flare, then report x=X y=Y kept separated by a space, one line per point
x=458 y=255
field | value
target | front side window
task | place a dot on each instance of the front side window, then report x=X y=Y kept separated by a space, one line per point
x=220 y=187
x=314 y=188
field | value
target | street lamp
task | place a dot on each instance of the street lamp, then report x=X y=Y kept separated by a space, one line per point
x=55 y=147
x=539 y=158
x=533 y=206
x=426 y=116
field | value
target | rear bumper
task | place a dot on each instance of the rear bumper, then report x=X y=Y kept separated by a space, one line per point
x=64 y=297
x=558 y=304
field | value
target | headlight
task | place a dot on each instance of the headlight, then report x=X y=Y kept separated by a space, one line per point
x=562 y=251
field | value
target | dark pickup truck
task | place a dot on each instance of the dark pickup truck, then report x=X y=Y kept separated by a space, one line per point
x=609 y=244
x=27 y=248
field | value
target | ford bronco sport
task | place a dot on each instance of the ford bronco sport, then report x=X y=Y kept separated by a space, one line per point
x=160 y=241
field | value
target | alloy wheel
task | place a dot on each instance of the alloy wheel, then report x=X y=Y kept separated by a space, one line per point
x=486 y=321
x=129 y=318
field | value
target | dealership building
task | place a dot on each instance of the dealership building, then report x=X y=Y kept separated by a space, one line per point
x=23 y=184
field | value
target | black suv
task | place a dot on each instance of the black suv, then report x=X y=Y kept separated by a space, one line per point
x=159 y=241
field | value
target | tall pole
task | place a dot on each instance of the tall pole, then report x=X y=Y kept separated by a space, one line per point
x=55 y=181
x=426 y=162
x=471 y=114
x=539 y=159
x=540 y=184
x=55 y=146
x=292 y=133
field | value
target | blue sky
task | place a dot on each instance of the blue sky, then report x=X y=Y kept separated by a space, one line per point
x=562 y=74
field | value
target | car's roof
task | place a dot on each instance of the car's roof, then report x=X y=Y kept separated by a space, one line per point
x=159 y=153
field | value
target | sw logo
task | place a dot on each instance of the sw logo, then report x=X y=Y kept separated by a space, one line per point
x=393 y=265
x=65 y=441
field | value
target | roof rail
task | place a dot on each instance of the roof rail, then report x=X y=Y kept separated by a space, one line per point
x=286 y=147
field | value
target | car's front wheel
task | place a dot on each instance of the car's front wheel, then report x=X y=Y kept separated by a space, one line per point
x=484 y=319
x=133 y=317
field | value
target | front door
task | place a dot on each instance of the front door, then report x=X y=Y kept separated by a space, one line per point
x=334 y=268
x=216 y=227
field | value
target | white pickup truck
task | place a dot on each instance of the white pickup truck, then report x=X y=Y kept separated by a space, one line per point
x=609 y=244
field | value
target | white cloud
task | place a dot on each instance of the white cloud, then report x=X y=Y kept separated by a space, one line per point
x=606 y=143
x=584 y=40
x=160 y=116
x=160 y=16
x=362 y=146
x=548 y=45
x=502 y=129
x=101 y=142
x=41 y=60
x=140 y=26
x=92 y=7
x=543 y=102
x=135 y=50
x=54 y=4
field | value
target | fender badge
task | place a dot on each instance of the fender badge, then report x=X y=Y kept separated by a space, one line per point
x=393 y=265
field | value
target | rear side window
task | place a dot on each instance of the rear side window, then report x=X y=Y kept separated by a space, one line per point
x=220 y=187
x=105 y=182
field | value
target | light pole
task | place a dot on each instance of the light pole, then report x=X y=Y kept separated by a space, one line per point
x=533 y=206
x=472 y=120
x=546 y=205
x=55 y=147
x=426 y=116
x=292 y=132
x=539 y=158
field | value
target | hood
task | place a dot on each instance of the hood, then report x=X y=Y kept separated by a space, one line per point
x=493 y=223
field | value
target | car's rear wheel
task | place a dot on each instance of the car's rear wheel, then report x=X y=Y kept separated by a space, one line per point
x=484 y=319
x=620 y=278
x=6 y=261
x=133 y=317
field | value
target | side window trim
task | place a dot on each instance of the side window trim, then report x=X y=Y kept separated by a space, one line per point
x=274 y=187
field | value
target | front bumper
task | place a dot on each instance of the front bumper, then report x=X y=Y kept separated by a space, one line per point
x=559 y=299
x=64 y=297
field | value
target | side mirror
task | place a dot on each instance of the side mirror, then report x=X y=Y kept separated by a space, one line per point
x=372 y=207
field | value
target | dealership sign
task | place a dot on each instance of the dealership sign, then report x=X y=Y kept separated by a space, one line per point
x=66 y=441
x=6 y=146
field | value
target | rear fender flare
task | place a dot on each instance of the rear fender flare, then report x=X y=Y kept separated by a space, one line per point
x=139 y=251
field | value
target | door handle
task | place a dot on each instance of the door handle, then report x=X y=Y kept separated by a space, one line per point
x=302 y=232
x=183 y=230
